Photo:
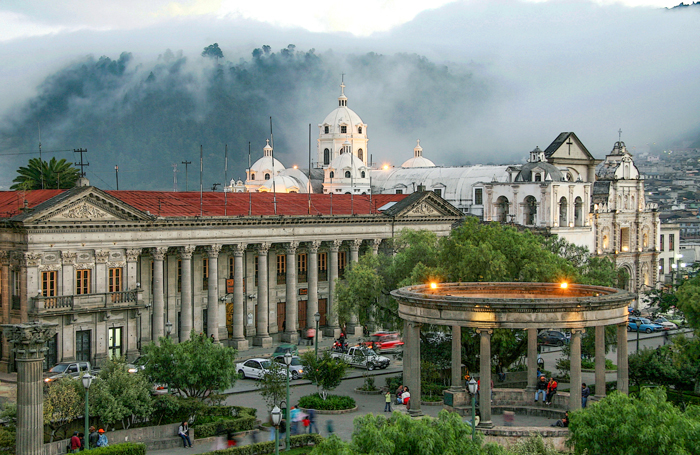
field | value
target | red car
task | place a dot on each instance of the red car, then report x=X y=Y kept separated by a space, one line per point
x=384 y=341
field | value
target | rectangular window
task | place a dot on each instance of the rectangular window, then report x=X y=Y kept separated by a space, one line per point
x=48 y=283
x=115 y=342
x=342 y=263
x=322 y=266
x=302 y=267
x=625 y=239
x=671 y=241
x=51 y=357
x=661 y=242
x=438 y=191
x=82 y=281
x=205 y=273
x=231 y=268
x=115 y=280
x=661 y=266
x=343 y=129
x=82 y=345
x=179 y=275
x=16 y=289
x=479 y=196
x=281 y=269
x=256 y=270
x=399 y=191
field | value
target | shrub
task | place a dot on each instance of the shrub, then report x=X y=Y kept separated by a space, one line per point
x=331 y=403
x=429 y=391
x=126 y=448
x=269 y=446
x=394 y=382
x=223 y=426
x=369 y=383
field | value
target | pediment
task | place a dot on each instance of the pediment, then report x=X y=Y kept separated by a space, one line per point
x=423 y=209
x=423 y=204
x=84 y=204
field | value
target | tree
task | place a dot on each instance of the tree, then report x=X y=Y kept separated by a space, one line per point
x=56 y=175
x=675 y=365
x=213 y=51
x=273 y=385
x=620 y=425
x=359 y=290
x=689 y=301
x=63 y=403
x=119 y=396
x=325 y=372
x=196 y=367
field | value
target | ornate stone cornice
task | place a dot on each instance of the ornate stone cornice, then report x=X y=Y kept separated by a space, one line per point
x=186 y=252
x=29 y=340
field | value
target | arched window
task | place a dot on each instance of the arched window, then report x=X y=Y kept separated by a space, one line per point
x=267 y=176
x=563 y=209
x=332 y=174
x=347 y=192
x=325 y=129
x=347 y=174
x=363 y=174
x=502 y=209
x=359 y=130
x=578 y=212
x=360 y=154
x=252 y=176
x=326 y=156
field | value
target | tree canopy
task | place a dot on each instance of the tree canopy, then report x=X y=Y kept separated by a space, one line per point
x=688 y=296
x=213 y=51
x=196 y=367
x=39 y=174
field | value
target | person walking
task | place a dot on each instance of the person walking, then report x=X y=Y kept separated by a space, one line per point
x=541 y=389
x=311 y=415
x=184 y=432
x=94 y=436
x=585 y=392
x=387 y=401
x=75 y=443
x=294 y=415
x=551 y=390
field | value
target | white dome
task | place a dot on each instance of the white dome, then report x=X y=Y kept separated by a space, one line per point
x=283 y=184
x=299 y=176
x=343 y=115
x=418 y=161
x=265 y=164
x=347 y=161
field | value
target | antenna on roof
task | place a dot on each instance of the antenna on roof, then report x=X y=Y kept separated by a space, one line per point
x=274 y=189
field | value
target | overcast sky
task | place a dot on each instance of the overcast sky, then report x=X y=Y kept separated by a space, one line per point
x=586 y=66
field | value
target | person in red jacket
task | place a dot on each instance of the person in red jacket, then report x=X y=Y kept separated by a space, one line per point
x=75 y=443
x=551 y=390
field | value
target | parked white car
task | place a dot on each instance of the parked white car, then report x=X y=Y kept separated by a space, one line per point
x=254 y=368
x=665 y=323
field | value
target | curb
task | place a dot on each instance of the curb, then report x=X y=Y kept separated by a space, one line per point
x=338 y=412
x=368 y=392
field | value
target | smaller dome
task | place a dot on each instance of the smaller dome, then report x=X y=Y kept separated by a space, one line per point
x=347 y=161
x=418 y=161
x=551 y=172
x=282 y=184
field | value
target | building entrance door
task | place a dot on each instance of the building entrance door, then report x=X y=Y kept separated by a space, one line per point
x=82 y=345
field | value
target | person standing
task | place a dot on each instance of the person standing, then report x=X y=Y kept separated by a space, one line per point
x=75 y=443
x=102 y=439
x=81 y=436
x=551 y=390
x=585 y=392
x=387 y=401
x=184 y=432
x=541 y=389
x=294 y=415
x=500 y=372
x=94 y=436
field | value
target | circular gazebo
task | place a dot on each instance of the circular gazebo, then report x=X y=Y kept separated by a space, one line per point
x=486 y=306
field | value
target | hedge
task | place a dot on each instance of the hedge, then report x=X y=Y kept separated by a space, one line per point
x=126 y=448
x=261 y=448
x=223 y=426
x=331 y=403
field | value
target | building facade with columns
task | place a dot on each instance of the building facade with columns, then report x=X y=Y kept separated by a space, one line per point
x=118 y=269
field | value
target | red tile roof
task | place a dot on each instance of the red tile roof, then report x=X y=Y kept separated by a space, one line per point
x=11 y=202
x=179 y=204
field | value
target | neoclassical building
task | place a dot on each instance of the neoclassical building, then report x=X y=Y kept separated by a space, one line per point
x=117 y=269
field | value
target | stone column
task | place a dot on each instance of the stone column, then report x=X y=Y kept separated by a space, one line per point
x=485 y=377
x=531 y=359
x=186 y=315
x=622 y=368
x=353 y=326
x=132 y=258
x=375 y=246
x=575 y=394
x=600 y=361
x=312 y=303
x=5 y=285
x=158 y=296
x=411 y=364
x=239 y=341
x=30 y=282
x=332 y=329
x=29 y=345
x=456 y=358
x=213 y=326
x=262 y=337
x=291 y=317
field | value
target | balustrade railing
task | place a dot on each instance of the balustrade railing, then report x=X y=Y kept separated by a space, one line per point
x=84 y=301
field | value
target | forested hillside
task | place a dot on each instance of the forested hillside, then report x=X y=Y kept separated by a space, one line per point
x=147 y=116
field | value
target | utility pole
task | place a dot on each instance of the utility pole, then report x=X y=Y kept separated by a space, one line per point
x=174 y=165
x=81 y=164
x=116 y=170
x=186 y=163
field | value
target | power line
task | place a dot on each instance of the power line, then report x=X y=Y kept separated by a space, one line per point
x=34 y=153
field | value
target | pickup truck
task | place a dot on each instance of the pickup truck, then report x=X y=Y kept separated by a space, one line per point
x=74 y=370
x=362 y=357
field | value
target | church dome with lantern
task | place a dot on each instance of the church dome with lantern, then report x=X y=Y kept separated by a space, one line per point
x=418 y=159
x=340 y=126
x=263 y=169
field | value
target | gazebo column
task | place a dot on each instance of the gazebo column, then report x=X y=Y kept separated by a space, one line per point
x=456 y=358
x=600 y=361
x=531 y=359
x=575 y=394
x=485 y=377
x=411 y=364
x=622 y=368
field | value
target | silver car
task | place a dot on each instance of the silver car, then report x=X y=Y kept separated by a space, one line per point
x=254 y=368
x=296 y=369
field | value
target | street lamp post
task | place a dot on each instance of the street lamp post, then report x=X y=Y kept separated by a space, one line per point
x=276 y=419
x=287 y=361
x=87 y=381
x=317 y=318
x=168 y=328
x=472 y=391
